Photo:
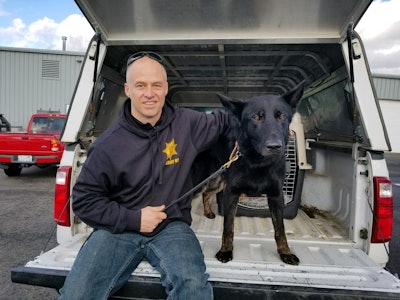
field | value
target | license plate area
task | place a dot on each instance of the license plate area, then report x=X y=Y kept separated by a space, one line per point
x=24 y=159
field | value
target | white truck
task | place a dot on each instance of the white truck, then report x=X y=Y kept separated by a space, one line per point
x=339 y=205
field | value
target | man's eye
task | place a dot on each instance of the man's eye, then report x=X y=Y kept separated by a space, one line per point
x=257 y=117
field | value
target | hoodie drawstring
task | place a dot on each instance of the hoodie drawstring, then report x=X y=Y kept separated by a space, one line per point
x=160 y=178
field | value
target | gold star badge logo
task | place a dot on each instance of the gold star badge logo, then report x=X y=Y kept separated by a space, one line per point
x=170 y=151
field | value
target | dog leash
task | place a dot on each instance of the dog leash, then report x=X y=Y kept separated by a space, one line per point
x=235 y=154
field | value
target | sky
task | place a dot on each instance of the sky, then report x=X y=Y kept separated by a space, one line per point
x=40 y=24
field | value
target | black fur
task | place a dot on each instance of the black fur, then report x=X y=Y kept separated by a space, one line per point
x=261 y=128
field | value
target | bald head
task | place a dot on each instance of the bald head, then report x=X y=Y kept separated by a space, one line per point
x=146 y=85
x=145 y=62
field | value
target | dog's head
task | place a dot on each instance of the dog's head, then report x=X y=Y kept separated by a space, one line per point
x=263 y=121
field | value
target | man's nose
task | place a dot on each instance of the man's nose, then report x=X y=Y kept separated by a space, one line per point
x=149 y=92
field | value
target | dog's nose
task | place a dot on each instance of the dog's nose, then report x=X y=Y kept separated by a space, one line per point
x=274 y=145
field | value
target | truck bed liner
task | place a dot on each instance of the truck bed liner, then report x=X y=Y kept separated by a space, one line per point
x=320 y=226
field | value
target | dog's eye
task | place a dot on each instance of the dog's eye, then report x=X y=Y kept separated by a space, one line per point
x=258 y=116
x=280 y=116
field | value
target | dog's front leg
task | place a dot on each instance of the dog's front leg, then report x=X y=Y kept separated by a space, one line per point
x=225 y=254
x=207 y=205
x=280 y=235
x=212 y=188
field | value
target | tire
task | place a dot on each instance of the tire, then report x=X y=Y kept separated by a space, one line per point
x=13 y=170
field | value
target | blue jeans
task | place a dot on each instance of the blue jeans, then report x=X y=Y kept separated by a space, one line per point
x=107 y=260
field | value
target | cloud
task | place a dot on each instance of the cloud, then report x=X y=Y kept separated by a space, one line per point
x=40 y=32
x=78 y=32
x=45 y=33
x=379 y=29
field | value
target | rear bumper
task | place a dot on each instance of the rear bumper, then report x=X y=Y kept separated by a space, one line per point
x=140 y=287
x=39 y=277
x=35 y=160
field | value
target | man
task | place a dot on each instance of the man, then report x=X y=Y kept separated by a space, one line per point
x=133 y=172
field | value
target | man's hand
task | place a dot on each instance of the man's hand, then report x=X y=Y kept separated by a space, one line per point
x=151 y=217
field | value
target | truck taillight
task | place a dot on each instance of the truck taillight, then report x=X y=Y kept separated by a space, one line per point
x=383 y=210
x=55 y=145
x=61 y=196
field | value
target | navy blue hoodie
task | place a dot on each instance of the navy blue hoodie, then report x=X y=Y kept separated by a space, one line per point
x=133 y=165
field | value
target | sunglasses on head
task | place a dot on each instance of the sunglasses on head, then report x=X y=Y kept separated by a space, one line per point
x=134 y=57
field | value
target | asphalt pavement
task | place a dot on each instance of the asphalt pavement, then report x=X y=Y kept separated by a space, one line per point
x=26 y=224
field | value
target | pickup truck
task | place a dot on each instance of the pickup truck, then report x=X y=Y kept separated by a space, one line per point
x=339 y=202
x=4 y=124
x=39 y=145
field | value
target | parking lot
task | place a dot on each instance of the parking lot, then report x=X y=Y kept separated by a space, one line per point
x=26 y=229
x=26 y=224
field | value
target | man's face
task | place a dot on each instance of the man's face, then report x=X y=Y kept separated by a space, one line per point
x=146 y=85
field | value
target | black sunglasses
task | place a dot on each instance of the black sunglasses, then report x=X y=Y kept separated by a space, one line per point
x=138 y=55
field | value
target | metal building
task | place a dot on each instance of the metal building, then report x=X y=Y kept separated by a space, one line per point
x=388 y=92
x=33 y=80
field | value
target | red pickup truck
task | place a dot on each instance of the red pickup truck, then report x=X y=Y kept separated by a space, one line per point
x=39 y=145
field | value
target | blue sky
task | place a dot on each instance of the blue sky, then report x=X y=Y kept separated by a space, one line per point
x=31 y=11
x=41 y=23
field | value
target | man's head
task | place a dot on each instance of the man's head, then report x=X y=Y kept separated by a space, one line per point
x=146 y=85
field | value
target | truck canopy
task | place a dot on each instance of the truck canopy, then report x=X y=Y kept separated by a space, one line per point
x=129 y=22
x=242 y=49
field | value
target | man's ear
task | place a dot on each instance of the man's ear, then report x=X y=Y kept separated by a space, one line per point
x=126 y=89
x=166 y=88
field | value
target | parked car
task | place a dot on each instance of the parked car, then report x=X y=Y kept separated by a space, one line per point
x=4 y=124
x=40 y=145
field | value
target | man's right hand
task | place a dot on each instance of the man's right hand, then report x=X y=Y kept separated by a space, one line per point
x=151 y=217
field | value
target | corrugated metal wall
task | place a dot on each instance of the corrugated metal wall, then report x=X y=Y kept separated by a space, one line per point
x=31 y=80
x=388 y=91
x=387 y=87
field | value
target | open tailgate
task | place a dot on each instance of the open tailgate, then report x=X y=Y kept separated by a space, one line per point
x=332 y=269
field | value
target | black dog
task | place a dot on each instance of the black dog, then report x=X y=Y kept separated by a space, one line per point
x=261 y=130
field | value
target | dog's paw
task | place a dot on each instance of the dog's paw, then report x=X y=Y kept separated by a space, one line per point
x=290 y=259
x=224 y=256
x=209 y=215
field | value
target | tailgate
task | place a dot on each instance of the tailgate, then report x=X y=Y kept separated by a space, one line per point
x=19 y=144
x=333 y=266
x=344 y=271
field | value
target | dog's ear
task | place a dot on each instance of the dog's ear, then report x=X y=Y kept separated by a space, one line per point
x=294 y=95
x=232 y=104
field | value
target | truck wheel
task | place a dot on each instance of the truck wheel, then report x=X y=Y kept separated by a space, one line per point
x=13 y=170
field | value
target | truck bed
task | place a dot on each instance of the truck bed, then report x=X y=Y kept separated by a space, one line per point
x=327 y=258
